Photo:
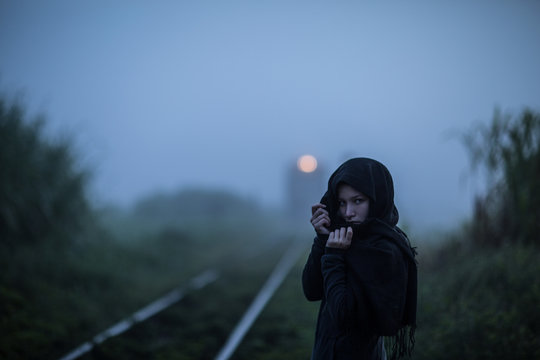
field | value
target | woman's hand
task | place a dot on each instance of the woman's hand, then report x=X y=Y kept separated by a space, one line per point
x=320 y=219
x=340 y=238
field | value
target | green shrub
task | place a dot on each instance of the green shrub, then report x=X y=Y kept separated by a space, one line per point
x=41 y=189
x=480 y=305
x=509 y=149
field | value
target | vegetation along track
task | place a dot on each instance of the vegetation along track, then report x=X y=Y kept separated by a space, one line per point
x=206 y=319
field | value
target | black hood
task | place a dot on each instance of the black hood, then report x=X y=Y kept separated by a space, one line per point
x=371 y=178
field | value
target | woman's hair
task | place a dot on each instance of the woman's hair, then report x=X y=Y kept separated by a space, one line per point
x=371 y=178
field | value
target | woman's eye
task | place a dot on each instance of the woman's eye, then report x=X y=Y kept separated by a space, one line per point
x=341 y=203
x=358 y=201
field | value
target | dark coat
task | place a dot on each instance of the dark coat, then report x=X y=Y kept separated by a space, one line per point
x=368 y=290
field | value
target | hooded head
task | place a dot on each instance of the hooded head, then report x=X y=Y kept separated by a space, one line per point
x=372 y=179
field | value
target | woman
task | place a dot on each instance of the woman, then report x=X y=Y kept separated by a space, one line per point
x=361 y=267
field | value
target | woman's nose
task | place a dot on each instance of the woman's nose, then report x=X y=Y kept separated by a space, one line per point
x=349 y=212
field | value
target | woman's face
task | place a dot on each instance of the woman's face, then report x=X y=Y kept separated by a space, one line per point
x=353 y=205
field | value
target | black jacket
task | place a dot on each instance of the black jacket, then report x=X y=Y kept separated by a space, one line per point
x=368 y=290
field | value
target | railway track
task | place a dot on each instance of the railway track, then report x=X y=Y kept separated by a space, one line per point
x=207 y=318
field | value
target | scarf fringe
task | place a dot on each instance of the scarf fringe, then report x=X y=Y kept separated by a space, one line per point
x=401 y=345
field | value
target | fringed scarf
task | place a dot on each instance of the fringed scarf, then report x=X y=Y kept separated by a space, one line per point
x=402 y=343
x=388 y=286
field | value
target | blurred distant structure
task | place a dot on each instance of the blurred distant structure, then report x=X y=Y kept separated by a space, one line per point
x=305 y=186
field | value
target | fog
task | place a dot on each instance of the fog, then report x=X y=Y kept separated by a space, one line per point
x=163 y=95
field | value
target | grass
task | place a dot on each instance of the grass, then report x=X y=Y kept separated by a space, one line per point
x=52 y=298
x=480 y=304
x=473 y=303
x=199 y=325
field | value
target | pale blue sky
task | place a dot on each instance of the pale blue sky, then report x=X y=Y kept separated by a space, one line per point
x=165 y=94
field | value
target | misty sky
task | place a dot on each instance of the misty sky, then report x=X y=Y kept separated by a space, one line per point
x=166 y=94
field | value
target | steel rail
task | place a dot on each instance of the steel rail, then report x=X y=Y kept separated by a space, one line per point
x=149 y=310
x=274 y=281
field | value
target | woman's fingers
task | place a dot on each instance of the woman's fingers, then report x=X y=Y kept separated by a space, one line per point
x=320 y=220
x=344 y=237
x=340 y=238
x=317 y=206
x=323 y=217
x=321 y=226
x=320 y=223
x=318 y=213
x=349 y=234
x=331 y=237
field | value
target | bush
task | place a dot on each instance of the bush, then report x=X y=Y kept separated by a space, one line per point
x=509 y=149
x=41 y=189
x=478 y=304
x=188 y=205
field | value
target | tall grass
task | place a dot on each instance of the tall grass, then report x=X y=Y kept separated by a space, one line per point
x=509 y=150
x=479 y=292
x=479 y=303
x=41 y=187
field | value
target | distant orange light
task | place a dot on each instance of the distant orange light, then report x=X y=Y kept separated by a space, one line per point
x=307 y=163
